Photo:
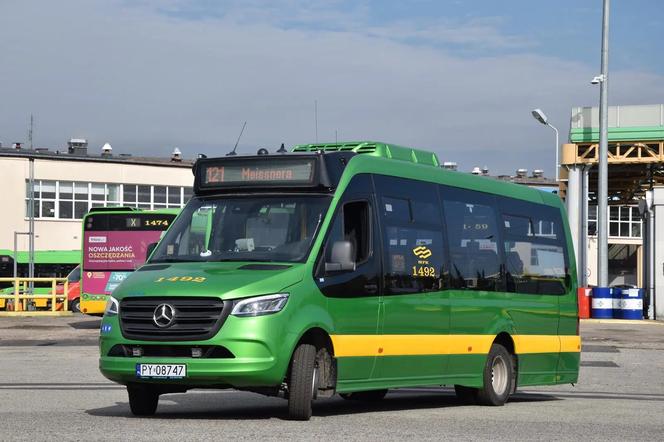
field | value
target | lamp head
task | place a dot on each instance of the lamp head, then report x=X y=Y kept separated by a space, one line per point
x=540 y=116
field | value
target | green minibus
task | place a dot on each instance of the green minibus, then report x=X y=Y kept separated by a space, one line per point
x=348 y=268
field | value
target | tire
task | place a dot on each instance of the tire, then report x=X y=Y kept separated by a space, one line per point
x=143 y=401
x=498 y=377
x=75 y=305
x=366 y=396
x=466 y=395
x=302 y=383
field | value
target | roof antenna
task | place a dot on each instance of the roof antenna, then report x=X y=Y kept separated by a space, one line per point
x=282 y=149
x=231 y=153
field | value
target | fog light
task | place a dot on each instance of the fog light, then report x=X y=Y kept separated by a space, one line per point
x=137 y=352
x=196 y=352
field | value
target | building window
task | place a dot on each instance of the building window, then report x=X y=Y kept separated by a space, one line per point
x=72 y=199
x=624 y=222
x=174 y=196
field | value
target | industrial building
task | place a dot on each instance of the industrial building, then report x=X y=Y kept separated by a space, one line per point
x=68 y=183
x=635 y=189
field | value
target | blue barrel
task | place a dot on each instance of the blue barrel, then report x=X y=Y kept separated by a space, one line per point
x=602 y=305
x=631 y=304
x=616 y=294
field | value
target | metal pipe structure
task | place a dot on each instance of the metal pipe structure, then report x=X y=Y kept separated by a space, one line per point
x=31 y=228
x=602 y=191
x=557 y=169
x=652 y=314
x=583 y=248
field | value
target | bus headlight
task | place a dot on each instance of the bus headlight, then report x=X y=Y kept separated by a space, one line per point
x=260 y=305
x=112 y=307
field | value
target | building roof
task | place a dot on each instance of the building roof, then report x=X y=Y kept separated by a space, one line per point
x=44 y=154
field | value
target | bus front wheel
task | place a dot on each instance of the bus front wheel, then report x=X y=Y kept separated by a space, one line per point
x=143 y=401
x=498 y=377
x=75 y=305
x=303 y=382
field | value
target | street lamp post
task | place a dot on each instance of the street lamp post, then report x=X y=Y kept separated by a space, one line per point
x=542 y=118
x=602 y=185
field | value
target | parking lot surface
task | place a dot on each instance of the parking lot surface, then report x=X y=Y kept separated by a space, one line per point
x=51 y=389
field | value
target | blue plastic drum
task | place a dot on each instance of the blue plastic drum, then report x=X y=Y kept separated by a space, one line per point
x=616 y=294
x=602 y=305
x=631 y=304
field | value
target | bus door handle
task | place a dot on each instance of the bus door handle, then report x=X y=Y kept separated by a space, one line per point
x=371 y=288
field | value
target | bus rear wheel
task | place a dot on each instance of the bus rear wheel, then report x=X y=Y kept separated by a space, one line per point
x=367 y=396
x=303 y=382
x=143 y=400
x=498 y=377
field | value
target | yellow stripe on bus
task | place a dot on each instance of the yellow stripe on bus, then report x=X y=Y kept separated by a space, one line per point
x=410 y=345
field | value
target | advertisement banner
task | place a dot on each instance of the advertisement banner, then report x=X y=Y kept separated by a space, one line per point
x=110 y=256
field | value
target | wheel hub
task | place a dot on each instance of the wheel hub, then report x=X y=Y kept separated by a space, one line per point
x=499 y=375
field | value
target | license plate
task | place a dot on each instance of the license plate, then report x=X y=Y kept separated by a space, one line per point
x=164 y=371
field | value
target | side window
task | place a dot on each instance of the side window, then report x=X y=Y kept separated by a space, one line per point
x=412 y=235
x=535 y=249
x=472 y=230
x=351 y=228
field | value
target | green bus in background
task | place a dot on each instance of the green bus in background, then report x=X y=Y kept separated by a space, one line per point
x=48 y=264
x=348 y=268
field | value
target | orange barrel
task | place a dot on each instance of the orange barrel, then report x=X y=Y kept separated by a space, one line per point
x=583 y=295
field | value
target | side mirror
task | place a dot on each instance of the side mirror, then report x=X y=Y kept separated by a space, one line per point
x=150 y=249
x=341 y=257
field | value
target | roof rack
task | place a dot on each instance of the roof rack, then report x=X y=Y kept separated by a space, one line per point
x=374 y=148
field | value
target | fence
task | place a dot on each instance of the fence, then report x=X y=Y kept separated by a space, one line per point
x=27 y=301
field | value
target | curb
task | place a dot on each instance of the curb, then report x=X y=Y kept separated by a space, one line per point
x=621 y=321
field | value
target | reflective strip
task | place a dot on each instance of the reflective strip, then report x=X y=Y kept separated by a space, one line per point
x=570 y=344
x=536 y=344
x=409 y=345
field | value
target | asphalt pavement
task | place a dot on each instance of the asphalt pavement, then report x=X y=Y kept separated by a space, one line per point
x=51 y=388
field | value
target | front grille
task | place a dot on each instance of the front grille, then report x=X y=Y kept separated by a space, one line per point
x=194 y=319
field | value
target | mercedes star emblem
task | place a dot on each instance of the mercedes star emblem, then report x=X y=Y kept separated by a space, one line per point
x=163 y=315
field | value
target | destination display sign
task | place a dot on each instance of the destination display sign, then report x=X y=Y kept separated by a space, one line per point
x=129 y=221
x=258 y=172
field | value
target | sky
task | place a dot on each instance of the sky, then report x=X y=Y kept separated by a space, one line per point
x=456 y=77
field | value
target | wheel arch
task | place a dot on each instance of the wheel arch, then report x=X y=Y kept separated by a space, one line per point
x=320 y=339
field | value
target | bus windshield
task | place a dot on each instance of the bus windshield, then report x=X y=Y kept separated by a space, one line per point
x=247 y=228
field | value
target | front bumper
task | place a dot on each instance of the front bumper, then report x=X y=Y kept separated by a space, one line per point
x=259 y=359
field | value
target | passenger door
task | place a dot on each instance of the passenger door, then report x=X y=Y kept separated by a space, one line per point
x=415 y=313
x=353 y=291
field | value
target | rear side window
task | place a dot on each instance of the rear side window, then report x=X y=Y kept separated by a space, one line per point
x=413 y=252
x=472 y=231
x=535 y=249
